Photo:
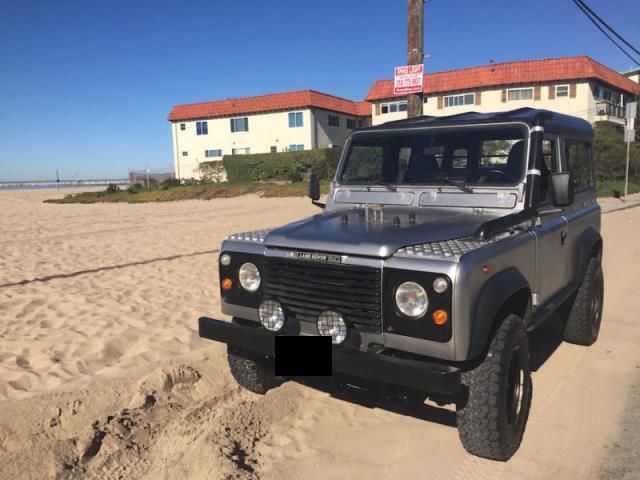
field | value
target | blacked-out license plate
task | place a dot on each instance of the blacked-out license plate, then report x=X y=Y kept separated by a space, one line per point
x=297 y=356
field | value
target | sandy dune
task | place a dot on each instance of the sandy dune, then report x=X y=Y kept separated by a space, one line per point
x=102 y=374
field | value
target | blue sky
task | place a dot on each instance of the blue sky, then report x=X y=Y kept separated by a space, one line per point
x=86 y=86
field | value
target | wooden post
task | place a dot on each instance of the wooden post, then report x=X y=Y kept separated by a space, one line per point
x=626 y=171
x=415 y=54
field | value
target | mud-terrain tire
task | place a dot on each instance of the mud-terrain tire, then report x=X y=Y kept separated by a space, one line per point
x=251 y=372
x=493 y=415
x=585 y=314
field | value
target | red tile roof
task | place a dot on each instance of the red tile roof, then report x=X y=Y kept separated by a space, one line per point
x=513 y=73
x=268 y=103
x=363 y=109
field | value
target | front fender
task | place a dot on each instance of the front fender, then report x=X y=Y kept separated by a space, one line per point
x=491 y=298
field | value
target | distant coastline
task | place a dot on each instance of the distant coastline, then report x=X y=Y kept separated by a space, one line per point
x=31 y=185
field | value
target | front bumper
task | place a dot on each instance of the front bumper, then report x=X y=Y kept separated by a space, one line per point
x=379 y=366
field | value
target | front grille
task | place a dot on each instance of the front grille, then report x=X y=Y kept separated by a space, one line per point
x=306 y=289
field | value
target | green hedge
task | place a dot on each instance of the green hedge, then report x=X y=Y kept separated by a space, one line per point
x=611 y=153
x=281 y=166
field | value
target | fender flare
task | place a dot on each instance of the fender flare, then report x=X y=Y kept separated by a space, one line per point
x=491 y=298
x=588 y=244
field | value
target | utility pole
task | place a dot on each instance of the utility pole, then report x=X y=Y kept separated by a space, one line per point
x=415 y=53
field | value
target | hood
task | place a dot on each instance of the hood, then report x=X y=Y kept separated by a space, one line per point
x=362 y=232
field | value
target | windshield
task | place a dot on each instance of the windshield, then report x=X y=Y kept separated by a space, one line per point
x=457 y=156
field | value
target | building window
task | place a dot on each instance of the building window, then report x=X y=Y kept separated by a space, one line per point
x=184 y=154
x=274 y=149
x=393 y=107
x=360 y=123
x=597 y=92
x=517 y=94
x=295 y=119
x=241 y=151
x=459 y=100
x=240 y=124
x=212 y=153
x=351 y=123
x=334 y=121
x=296 y=148
x=183 y=126
x=202 y=128
x=562 y=91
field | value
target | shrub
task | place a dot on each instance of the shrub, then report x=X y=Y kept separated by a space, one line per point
x=112 y=188
x=170 y=183
x=135 y=188
x=212 y=172
x=611 y=153
x=292 y=166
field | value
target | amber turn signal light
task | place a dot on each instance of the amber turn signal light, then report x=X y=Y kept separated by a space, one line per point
x=440 y=317
x=227 y=283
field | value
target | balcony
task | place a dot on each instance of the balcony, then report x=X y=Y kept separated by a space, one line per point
x=609 y=111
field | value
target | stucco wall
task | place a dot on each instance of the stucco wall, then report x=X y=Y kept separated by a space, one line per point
x=265 y=130
x=583 y=105
x=327 y=135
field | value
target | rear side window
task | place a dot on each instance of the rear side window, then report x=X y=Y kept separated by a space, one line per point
x=578 y=158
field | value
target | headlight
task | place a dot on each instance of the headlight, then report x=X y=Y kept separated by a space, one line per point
x=412 y=300
x=271 y=315
x=249 y=276
x=332 y=324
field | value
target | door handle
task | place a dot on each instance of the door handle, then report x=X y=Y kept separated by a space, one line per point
x=563 y=237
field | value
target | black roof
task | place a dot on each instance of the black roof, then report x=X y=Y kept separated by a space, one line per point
x=553 y=121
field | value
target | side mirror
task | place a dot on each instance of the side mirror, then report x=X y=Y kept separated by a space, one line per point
x=314 y=187
x=562 y=189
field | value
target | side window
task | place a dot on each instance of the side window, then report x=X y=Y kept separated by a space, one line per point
x=460 y=158
x=578 y=158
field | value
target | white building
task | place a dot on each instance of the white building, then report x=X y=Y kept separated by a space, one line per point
x=576 y=86
x=280 y=122
x=633 y=75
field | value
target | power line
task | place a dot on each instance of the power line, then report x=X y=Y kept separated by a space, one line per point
x=583 y=10
x=619 y=8
x=608 y=26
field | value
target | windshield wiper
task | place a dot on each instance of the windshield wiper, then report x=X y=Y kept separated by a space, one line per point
x=388 y=186
x=448 y=181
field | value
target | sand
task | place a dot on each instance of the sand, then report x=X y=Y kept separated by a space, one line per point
x=102 y=374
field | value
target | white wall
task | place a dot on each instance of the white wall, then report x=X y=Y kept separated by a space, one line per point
x=325 y=134
x=583 y=105
x=265 y=130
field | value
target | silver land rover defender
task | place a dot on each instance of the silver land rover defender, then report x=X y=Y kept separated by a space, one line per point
x=443 y=242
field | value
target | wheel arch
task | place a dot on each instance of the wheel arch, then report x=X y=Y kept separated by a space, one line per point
x=589 y=245
x=506 y=292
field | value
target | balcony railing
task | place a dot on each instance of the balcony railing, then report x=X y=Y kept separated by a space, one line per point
x=609 y=109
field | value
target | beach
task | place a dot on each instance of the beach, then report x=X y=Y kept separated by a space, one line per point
x=103 y=375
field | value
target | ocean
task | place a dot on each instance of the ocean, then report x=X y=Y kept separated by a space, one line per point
x=31 y=185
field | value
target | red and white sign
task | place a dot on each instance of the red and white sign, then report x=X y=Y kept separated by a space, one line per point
x=408 y=79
